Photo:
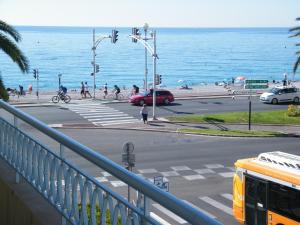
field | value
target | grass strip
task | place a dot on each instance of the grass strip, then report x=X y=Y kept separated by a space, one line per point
x=269 y=117
x=234 y=133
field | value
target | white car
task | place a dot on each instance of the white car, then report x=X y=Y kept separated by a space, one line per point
x=281 y=94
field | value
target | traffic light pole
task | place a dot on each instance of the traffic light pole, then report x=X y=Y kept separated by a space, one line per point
x=95 y=45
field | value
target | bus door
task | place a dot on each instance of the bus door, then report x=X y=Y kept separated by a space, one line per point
x=255 y=201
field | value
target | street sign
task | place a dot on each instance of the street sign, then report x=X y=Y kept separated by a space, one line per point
x=256 y=84
x=159 y=182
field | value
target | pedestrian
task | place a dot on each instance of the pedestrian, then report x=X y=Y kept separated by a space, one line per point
x=105 y=90
x=30 y=88
x=144 y=113
x=86 y=90
x=82 y=90
x=284 y=79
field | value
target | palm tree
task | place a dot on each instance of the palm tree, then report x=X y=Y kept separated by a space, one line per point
x=8 y=37
x=8 y=46
x=296 y=31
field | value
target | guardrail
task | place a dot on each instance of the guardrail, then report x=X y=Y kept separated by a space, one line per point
x=75 y=194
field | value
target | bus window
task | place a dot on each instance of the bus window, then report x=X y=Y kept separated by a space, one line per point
x=284 y=201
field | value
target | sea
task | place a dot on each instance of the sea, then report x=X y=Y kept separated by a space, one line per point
x=193 y=56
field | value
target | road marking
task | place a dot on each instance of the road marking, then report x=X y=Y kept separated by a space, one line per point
x=217 y=204
x=113 y=122
x=180 y=168
x=118 y=183
x=95 y=113
x=110 y=118
x=194 y=177
x=148 y=171
x=204 y=171
x=101 y=179
x=227 y=196
x=159 y=219
x=201 y=210
x=170 y=174
x=169 y=213
x=214 y=166
x=104 y=114
x=227 y=174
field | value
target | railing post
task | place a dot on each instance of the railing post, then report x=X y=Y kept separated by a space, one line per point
x=17 y=174
x=61 y=154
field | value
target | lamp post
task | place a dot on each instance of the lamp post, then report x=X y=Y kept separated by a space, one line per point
x=136 y=37
x=146 y=27
x=59 y=80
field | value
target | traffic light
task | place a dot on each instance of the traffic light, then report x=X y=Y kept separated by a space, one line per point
x=35 y=73
x=157 y=79
x=97 y=68
x=114 y=36
x=135 y=32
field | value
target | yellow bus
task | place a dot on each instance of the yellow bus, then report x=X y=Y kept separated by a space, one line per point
x=266 y=189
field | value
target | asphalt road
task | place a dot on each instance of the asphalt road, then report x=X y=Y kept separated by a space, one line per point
x=199 y=169
x=202 y=106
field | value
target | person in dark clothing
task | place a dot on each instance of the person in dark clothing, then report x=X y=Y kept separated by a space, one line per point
x=135 y=90
x=117 y=91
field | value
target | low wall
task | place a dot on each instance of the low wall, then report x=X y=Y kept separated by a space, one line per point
x=20 y=204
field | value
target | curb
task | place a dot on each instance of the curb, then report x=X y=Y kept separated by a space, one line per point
x=172 y=131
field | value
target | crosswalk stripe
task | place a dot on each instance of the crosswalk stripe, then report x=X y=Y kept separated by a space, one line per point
x=201 y=210
x=99 y=114
x=227 y=196
x=169 y=213
x=95 y=113
x=109 y=118
x=217 y=204
x=104 y=116
x=114 y=122
x=159 y=219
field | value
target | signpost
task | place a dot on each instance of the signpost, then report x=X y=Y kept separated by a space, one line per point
x=252 y=85
x=128 y=158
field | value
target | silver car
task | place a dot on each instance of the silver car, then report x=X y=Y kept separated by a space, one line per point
x=281 y=94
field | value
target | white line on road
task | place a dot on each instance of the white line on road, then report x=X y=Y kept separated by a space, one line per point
x=227 y=196
x=159 y=219
x=169 y=213
x=217 y=204
x=201 y=210
x=105 y=114
x=109 y=118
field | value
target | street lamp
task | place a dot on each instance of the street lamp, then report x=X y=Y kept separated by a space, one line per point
x=136 y=37
x=146 y=27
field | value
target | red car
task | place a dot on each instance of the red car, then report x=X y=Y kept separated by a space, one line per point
x=162 y=97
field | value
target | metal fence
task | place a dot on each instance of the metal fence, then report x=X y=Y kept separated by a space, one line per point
x=79 y=197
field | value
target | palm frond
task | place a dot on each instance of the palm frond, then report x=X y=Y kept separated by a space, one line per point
x=297 y=63
x=4 y=27
x=14 y=53
x=297 y=34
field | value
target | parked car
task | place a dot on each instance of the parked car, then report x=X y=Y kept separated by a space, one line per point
x=162 y=97
x=281 y=94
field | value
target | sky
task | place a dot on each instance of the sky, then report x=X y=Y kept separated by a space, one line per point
x=157 y=13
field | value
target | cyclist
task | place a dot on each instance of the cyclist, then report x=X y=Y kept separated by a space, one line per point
x=135 y=90
x=117 y=91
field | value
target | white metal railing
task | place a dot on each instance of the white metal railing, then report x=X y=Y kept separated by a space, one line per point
x=74 y=193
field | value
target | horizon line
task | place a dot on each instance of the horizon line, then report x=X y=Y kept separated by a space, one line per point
x=167 y=27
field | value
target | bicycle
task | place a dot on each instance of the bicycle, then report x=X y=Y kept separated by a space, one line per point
x=112 y=96
x=61 y=96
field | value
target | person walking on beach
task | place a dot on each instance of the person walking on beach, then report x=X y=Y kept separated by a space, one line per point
x=82 y=90
x=144 y=113
x=86 y=90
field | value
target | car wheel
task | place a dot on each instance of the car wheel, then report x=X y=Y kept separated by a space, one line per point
x=296 y=100
x=141 y=102
x=166 y=101
x=274 y=101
